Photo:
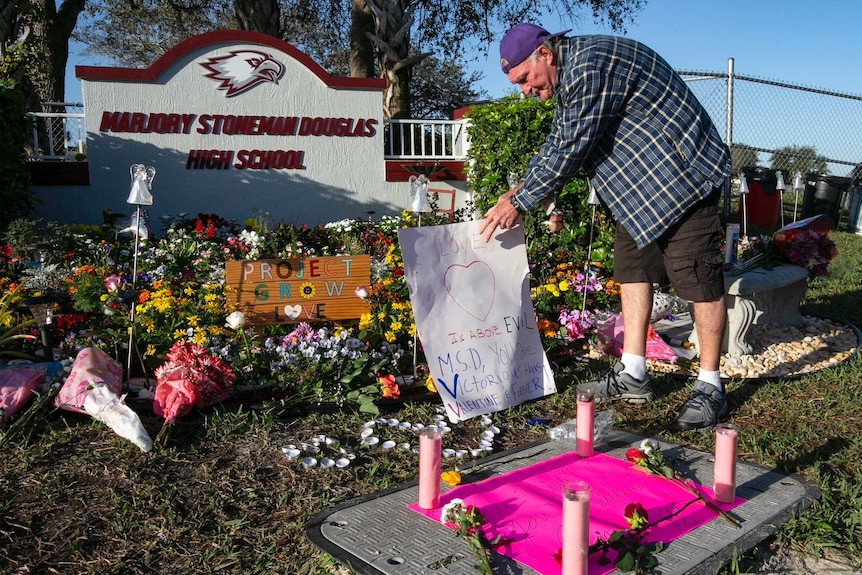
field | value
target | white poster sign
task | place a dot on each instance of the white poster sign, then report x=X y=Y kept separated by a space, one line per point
x=471 y=301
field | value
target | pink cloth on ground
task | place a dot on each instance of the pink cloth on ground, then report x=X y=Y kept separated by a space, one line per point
x=16 y=387
x=610 y=341
x=524 y=506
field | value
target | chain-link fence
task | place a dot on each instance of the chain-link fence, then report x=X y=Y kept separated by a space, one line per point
x=778 y=130
x=782 y=126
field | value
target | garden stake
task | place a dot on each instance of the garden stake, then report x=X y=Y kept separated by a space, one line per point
x=419 y=204
x=780 y=186
x=142 y=182
x=593 y=200
x=743 y=191
x=797 y=187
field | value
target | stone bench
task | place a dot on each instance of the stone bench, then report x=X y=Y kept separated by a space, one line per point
x=758 y=297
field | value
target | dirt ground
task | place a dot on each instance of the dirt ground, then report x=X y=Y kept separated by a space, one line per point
x=790 y=562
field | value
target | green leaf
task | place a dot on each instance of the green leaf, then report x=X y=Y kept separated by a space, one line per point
x=625 y=562
x=369 y=407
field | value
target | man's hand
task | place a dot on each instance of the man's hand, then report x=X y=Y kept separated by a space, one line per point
x=502 y=215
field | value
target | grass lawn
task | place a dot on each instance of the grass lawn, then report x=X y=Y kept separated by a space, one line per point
x=223 y=498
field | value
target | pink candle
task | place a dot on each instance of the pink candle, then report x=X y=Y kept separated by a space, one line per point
x=585 y=422
x=725 y=463
x=430 y=448
x=576 y=527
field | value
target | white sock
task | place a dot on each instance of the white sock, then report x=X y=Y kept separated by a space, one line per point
x=635 y=365
x=713 y=377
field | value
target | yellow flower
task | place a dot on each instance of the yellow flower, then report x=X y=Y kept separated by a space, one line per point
x=103 y=297
x=564 y=285
x=151 y=350
x=390 y=337
x=451 y=478
x=307 y=290
x=192 y=319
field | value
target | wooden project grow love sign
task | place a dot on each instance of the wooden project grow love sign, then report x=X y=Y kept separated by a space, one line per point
x=295 y=290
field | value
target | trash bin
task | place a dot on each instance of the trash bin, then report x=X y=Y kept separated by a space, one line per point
x=822 y=195
x=854 y=224
x=763 y=202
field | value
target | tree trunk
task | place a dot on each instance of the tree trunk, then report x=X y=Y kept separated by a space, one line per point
x=50 y=31
x=361 y=57
x=391 y=37
x=396 y=98
x=50 y=38
x=259 y=16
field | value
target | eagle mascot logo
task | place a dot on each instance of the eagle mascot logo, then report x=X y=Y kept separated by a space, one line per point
x=242 y=70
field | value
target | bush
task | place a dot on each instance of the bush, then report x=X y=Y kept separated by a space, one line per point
x=504 y=137
x=16 y=196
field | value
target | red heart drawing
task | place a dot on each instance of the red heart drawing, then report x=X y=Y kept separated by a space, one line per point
x=468 y=287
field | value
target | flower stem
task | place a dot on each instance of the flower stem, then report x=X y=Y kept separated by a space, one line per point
x=708 y=503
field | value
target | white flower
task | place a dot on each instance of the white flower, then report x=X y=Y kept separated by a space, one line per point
x=361 y=292
x=647 y=446
x=451 y=510
x=236 y=320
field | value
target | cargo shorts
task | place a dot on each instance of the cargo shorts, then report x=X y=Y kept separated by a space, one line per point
x=687 y=256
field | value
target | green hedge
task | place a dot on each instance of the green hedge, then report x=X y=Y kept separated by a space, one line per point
x=16 y=195
x=503 y=138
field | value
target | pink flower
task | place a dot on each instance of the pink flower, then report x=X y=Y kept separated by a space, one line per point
x=113 y=282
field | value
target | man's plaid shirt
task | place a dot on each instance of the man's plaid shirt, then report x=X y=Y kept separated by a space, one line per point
x=627 y=119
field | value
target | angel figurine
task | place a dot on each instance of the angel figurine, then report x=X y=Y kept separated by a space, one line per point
x=420 y=194
x=142 y=183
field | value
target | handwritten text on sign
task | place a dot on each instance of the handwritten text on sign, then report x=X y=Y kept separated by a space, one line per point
x=475 y=317
x=295 y=290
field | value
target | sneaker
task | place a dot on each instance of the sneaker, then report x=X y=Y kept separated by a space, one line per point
x=615 y=385
x=703 y=408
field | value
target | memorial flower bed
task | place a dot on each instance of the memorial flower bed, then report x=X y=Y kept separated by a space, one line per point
x=179 y=294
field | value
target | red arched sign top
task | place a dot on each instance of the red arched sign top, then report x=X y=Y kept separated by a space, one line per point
x=153 y=71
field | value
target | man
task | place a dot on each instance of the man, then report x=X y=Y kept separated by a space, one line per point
x=657 y=162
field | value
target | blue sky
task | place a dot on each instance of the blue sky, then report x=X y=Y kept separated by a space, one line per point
x=807 y=42
x=812 y=43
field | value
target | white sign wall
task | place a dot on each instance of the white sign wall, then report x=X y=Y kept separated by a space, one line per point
x=239 y=124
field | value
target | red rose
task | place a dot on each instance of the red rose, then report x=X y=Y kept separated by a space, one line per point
x=635 y=455
x=633 y=509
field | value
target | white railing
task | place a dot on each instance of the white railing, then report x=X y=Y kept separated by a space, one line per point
x=62 y=135
x=426 y=139
x=59 y=135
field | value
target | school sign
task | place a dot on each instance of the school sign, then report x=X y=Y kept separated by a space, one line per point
x=237 y=123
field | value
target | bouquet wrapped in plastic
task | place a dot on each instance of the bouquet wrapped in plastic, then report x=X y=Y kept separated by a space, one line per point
x=93 y=387
x=190 y=377
x=806 y=243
